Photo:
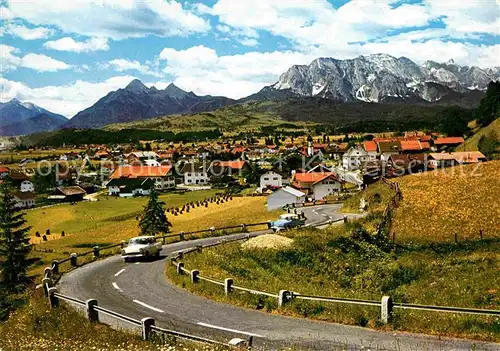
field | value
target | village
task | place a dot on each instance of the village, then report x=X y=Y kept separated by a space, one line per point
x=289 y=170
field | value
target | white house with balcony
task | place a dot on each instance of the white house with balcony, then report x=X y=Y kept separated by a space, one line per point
x=354 y=158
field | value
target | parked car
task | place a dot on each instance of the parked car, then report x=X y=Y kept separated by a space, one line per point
x=288 y=221
x=141 y=247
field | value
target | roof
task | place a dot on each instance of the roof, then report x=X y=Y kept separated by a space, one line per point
x=140 y=171
x=293 y=191
x=448 y=140
x=389 y=146
x=4 y=169
x=370 y=146
x=195 y=167
x=312 y=177
x=18 y=175
x=410 y=145
x=24 y=195
x=129 y=184
x=425 y=138
x=71 y=190
x=232 y=164
x=425 y=145
x=144 y=154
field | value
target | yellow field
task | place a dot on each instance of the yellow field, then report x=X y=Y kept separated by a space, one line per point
x=461 y=200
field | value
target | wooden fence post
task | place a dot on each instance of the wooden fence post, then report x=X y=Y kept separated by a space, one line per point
x=180 y=267
x=55 y=266
x=73 y=259
x=53 y=300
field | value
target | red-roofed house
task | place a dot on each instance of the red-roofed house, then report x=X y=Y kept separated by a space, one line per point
x=232 y=167
x=410 y=146
x=318 y=185
x=371 y=148
x=447 y=142
x=162 y=176
x=4 y=171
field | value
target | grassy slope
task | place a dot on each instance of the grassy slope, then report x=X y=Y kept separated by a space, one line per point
x=438 y=204
x=470 y=143
x=422 y=268
x=236 y=117
x=35 y=328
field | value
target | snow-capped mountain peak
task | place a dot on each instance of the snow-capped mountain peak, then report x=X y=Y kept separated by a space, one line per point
x=374 y=77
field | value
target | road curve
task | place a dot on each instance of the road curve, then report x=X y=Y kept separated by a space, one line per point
x=141 y=290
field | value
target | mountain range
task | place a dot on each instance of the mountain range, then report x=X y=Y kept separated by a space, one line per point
x=378 y=78
x=20 y=118
x=136 y=102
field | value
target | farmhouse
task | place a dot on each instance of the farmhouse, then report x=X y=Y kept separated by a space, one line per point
x=24 y=199
x=232 y=167
x=128 y=187
x=272 y=179
x=162 y=176
x=284 y=196
x=195 y=173
x=388 y=148
x=68 y=194
x=441 y=144
x=318 y=185
x=21 y=180
x=354 y=157
x=371 y=148
x=438 y=160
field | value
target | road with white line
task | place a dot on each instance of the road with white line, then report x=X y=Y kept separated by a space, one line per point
x=142 y=290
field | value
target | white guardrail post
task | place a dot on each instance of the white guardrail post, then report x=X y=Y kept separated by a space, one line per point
x=73 y=259
x=283 y=297
x=46 y=283
x=91 y=312
x=147 y=324
x=194 y=276
x=180 y=267
x=386 y=309
x=55 y=266
x=96 y=251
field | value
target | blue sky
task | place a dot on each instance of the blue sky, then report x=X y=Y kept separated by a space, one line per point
x=65 y=55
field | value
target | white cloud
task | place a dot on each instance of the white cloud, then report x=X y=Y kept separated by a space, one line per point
x=122 y=65
x=28 y=33
x=310 y=23
x=468 y=16
x=116 y=19
x=245 y=36
x=65 y=99
x=8 y=60
x=41 y=63
x=69 y=44
x=201 y=70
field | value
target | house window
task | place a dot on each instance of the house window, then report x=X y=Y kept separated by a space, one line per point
x=275 y=178
x=266 y=178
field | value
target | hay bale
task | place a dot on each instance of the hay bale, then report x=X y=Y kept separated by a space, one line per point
x=268 y=241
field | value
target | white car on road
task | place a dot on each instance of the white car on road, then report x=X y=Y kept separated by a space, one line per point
x=141 y=246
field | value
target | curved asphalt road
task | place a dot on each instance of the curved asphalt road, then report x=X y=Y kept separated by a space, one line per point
x=141 y=290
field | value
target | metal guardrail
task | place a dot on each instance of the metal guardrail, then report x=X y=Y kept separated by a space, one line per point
x=145 y=324
x=284 y=296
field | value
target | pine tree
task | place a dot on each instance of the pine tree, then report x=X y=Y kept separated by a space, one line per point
x=154 y=220
x=14 y=240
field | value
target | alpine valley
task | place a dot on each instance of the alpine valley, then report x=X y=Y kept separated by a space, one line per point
x=362 y=82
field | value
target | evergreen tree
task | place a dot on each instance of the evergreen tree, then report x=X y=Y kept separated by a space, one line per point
x=154 y=220
x=14 y=240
